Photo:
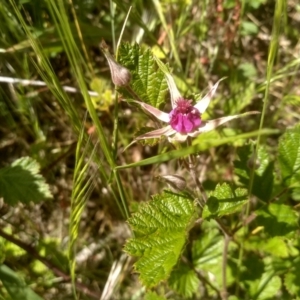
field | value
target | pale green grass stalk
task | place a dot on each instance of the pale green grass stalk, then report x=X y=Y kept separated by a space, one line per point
x=82 y=188
x=81 y=38
x=169 y=31
x=112 y=23
x=59 y=15
x=116 y=108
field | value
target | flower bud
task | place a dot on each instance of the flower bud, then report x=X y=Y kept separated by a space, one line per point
x=120 y=75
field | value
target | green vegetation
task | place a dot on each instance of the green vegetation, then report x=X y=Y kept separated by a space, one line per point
x=108 y=190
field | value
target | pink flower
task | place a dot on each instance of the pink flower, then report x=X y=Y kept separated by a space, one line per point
x=184 y=119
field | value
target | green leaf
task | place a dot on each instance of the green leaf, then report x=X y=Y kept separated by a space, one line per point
x=264 y=171
x=148 y=81
x=206 y=249
x=289 y=156
x=275 y=246
x=267 y=287
x=21 y=182
x=256 y=281
x=252 y=268
x=292 y=279
x=153 y=296
x=224 y=201
x=207 y=256
x=277 y=219
x=160 y=228
x=248 y=28
x=16 y=286
x=184 y=281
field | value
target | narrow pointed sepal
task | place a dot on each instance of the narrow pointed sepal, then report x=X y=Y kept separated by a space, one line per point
x=212 y=124
x=204 y=102
x=158 y=114
x=174 y=92
x=165 y=131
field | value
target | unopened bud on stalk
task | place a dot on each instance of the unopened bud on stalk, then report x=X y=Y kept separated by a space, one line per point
x=120 y=75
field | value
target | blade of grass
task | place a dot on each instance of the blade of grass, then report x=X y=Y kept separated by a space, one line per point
x=196 y=148
x=169 y=31
x=48 y=75
x=82 y=188
x=59 y=14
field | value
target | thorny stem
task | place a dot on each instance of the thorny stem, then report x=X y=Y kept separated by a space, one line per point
x=55 y=269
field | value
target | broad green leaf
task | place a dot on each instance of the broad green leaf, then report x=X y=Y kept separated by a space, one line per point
x=258 y=279
x=264 y=171
x=266 y=287
x=252 y=268
x=275 y=246
x=224 y=201
x=160 y=228
x=277 y=219
x=207 y=248
x=289 y=156
x=248 y=28
x=207 y=256
x=16 y=286
x=148 y=81
x=292 y=279
x=184 y=281
x=21 y=182
x=153 y=296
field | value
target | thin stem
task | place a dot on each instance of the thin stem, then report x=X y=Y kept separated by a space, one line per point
x=224 y=293
x=200 y=190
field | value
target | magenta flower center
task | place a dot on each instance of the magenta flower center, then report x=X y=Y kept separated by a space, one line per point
x=185 y=118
